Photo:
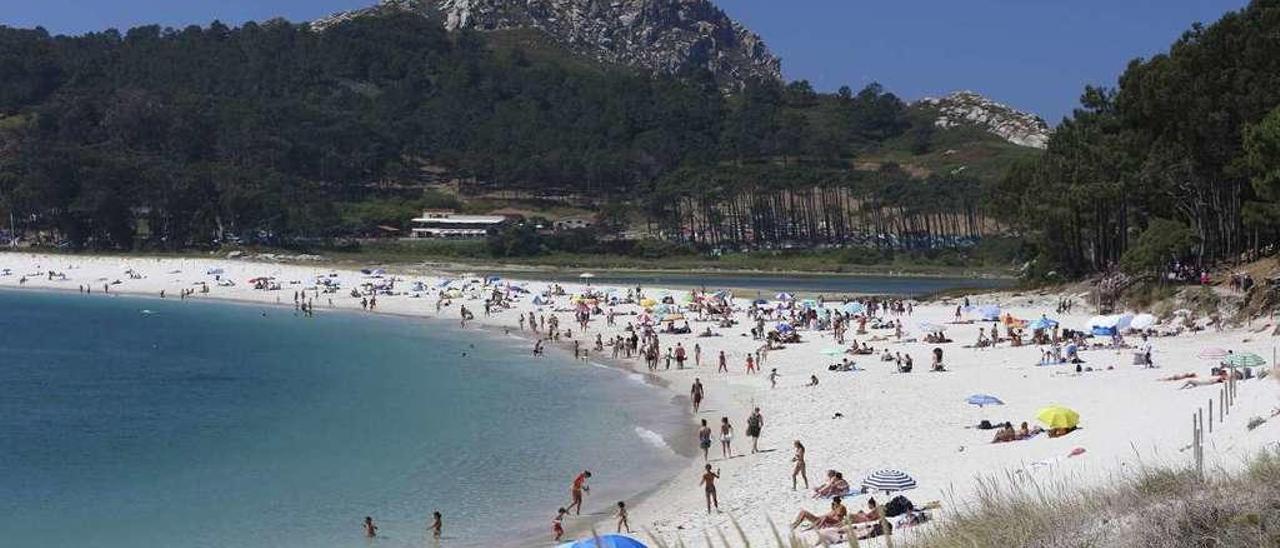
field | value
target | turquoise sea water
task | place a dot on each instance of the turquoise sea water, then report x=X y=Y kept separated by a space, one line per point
x=143 y=422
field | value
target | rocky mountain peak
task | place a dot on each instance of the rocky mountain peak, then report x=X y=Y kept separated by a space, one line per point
x=667 y=36
x=970 y=108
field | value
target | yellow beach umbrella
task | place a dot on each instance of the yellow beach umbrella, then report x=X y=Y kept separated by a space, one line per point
x=647 y=302
x=1057 y=416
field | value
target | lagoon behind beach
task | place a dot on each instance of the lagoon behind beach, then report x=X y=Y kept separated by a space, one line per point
x=144 y=422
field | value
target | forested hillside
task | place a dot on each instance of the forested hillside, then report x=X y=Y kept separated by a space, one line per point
x=273 y=132
x=1181 y=161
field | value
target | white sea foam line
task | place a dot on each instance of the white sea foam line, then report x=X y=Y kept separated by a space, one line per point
x=654 y=439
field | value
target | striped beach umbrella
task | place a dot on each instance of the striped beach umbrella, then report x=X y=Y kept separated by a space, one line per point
x=888 y=480
x=1244 y=359
x=1213 y=353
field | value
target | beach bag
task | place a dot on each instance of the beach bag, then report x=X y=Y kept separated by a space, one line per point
x=897 y=506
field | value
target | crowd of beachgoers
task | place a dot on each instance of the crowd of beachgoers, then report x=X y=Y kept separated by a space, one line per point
x=833 y=415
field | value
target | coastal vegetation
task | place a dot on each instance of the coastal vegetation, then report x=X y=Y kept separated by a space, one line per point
x=1186 y=140
x=277 y=134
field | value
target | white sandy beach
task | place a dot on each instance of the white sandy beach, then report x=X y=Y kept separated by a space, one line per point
x=917 y=422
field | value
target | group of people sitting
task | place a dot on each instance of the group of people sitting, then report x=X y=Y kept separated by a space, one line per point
x=1006 y=433
x=837 y=524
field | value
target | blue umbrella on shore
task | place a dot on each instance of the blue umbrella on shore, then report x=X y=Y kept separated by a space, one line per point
x=1043 y=323
x=605 y=541
x=982 y=400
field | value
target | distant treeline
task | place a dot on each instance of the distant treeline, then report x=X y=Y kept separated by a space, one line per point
x=1181 y=162
x=168 y=138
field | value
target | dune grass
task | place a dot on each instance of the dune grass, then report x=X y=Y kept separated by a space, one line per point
x=1156 y=507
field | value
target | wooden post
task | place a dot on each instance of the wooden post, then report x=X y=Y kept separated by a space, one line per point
x=1211 y=415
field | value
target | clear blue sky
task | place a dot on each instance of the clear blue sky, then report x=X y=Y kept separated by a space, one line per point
x=1033 y=54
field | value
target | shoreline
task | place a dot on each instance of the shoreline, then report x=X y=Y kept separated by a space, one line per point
x=678 y=438
x=918 y=422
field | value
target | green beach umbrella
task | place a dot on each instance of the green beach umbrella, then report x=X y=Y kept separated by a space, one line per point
x=1244 y=359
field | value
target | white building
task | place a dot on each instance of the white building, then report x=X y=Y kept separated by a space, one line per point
x=444 y=223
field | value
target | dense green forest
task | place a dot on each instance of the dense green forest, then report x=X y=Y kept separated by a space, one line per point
x=1180 y=161
x=272 y=133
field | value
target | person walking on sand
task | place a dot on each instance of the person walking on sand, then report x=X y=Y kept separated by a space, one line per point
x=370 y=530
x=697 y=355
x=724 y=364
x=799 y=469
x=696 y=394
x=726 y=438
x=437 y=525
x=579 y=487
x=709 y=487
x=773 y=378
x=755 y=422
x=623 y=525
x=751 y=364
x=704 y=440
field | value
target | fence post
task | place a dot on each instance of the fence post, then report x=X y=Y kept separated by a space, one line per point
x=1211 y=415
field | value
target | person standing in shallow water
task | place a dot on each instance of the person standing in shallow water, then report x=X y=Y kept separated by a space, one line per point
x=370 y=530
x=437 y=525
x=579 y=487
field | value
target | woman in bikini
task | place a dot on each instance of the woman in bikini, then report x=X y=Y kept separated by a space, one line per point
x=726 y=438
x=799 y=469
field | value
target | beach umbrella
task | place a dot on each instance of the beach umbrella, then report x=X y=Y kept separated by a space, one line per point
x=1213 y=353
x=853 y=308
x=1043 y=323
x=809 y=303
x=989 y=312
x=982 y=400
x=783 y=327
x=784 y=297
x=647 y=302
x=673 y=317
x=605 y=541
x=1244 y=359
x=586 y=275
x=214 y=271
x=929 y=327
x=1057 y=416
x=888 y=481
x=759 y=302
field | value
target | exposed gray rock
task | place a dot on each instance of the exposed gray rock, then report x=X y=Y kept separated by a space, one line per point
x=1013 y=125
x=666 y=36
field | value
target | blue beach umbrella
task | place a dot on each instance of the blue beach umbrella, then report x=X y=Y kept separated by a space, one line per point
x=783 y=327
x=759 y=302
x=784 y=297
x=605 y=541
x=1043 y=323
x=982 y=400
x=853 y=308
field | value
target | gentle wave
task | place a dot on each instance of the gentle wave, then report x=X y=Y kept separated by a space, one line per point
x=653 y=438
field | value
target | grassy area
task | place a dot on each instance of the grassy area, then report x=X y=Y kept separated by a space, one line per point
x=1157 y=507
